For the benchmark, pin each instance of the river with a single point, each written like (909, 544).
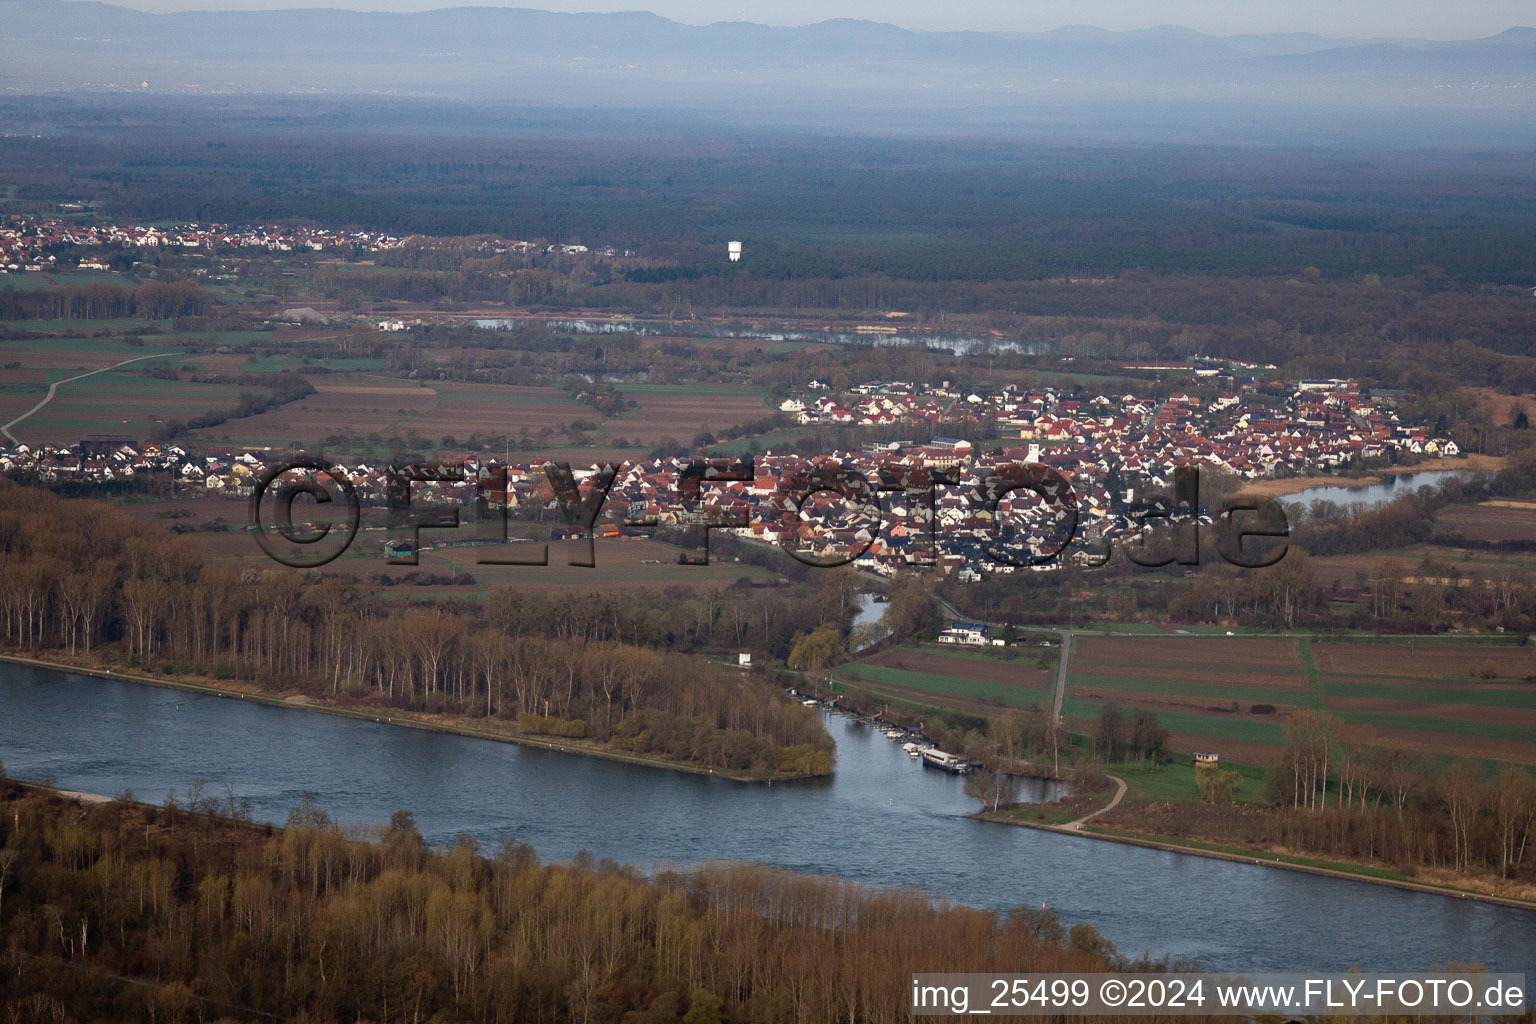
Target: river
(882, 819)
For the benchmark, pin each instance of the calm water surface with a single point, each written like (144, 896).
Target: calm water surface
(882, 820)
(1372, 494)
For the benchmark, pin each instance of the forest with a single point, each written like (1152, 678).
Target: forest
(84, 579)
(155, 300)
(172, 914)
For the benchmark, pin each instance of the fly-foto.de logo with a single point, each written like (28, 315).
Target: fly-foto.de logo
(824, 512)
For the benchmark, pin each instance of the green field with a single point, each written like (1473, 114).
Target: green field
(1174, 780)
(1419, 693)
(948, 686)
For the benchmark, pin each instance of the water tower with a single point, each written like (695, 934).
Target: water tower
(733, 250)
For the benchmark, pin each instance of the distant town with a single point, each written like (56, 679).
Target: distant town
(45, 244)
(1114, 448)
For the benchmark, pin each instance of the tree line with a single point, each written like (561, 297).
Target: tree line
(170, 914)
(156, 300)
(1345, 790)
(90, 581)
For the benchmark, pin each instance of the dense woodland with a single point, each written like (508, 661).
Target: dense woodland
(154, 300)
(126, 913)
(86, 579)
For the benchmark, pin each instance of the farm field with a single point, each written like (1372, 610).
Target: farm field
(1233, 695)
(682, 410)
(738, 345)
(622, 563)
(1349, 570)
(1437, 699)
(1494, 521)
(75, 354)
(969, 680)
(1203, 688)
(1425, 696)
(20, 390)
(51, 278)
(361, 404)
(118, 402)
(462, 409)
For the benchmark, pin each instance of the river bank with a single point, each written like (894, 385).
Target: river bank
(880, 820)
(1465, 887)
(453, 724)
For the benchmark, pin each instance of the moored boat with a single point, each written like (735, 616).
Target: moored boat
(933, 757)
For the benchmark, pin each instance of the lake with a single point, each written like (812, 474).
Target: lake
(1372, 494)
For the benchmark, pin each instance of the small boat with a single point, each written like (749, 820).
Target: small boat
(894, 734)
(912, 749)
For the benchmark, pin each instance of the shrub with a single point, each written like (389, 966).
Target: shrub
(551, 725)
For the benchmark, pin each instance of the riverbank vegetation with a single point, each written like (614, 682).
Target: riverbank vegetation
(1345, 792)
(1334, 786)
(88, 582)
(132, 913)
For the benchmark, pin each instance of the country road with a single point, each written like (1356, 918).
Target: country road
(1061, 671)
(54, 388)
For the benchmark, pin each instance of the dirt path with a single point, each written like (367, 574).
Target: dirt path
(1119, 794)
(54, 388)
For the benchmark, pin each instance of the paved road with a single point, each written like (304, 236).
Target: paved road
(54, 388)
(1061, 670)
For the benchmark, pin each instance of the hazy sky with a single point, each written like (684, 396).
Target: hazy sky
(1429, 19)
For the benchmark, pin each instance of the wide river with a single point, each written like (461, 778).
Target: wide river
(882, 820)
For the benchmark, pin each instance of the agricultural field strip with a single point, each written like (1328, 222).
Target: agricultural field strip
(1514, 731)
(962, 655)
(1224, 726)
(1308, 661)
(1472, 692)
(1227, 727)
(1294, 670)
(553, 398)
(1250, 694)
(953, 686)
(1423, 662)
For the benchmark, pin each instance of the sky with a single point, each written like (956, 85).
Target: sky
(1422, 19)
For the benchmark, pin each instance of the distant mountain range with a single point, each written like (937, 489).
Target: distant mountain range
(536, 58)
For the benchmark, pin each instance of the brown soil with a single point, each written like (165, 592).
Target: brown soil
(1189, 650)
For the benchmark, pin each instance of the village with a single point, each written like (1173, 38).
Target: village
(1115, 450)
(47, 244)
